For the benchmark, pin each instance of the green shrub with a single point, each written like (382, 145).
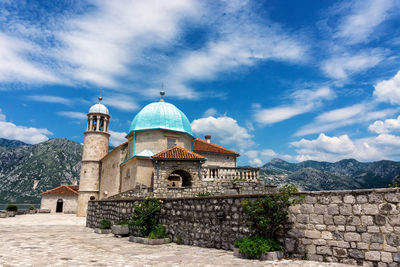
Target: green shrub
(32, 207)
(12, 207)
(105, 224)
(158, 232)
(204, 194)
(269, 215)
(144, 218)
(253, 247)
(122, 223)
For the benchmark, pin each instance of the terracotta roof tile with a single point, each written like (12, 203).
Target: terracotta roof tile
(177, 152)
(202, 145)
(66, 190)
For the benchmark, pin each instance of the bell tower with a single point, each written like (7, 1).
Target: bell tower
(95, 147)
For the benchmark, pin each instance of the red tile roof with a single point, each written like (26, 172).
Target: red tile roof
(66, 190)
(202, 145)
(177, 152)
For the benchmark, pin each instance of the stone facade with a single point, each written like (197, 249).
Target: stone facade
(355, 227)
(157, 140)
(49, 202)
(217, 159)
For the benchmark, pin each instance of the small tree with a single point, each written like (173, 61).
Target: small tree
(144, 218)
(269, 215)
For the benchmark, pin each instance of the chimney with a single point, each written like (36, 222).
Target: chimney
(208, 138)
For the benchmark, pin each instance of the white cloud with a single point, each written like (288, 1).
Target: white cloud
(325, 148)
(117, 138)
(210, 112)
(121, 102)
(360, 22)
(303, 101)
(73, 115)
(387, 126)
(102, 44)
(388, 90)
(341, 66)
(28, 135)
(50, 99)
(16, 63)
(224, 129)
(341, 117)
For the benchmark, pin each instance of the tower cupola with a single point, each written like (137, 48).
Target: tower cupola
(98, 117)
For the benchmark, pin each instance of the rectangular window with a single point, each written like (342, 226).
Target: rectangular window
(171, 142)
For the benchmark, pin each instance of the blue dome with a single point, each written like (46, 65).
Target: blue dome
(163, 116)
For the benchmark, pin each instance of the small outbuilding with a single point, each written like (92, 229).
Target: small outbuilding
(62, 199)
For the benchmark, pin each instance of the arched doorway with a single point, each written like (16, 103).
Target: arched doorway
(179, 178)
(60, 203)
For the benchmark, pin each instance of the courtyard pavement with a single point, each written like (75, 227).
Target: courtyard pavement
(63, 240)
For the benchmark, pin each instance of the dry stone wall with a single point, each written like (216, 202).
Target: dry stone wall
(355, 227)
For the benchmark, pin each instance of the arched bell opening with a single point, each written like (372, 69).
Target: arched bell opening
(179, 178)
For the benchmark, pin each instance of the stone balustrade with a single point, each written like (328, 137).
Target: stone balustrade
(230, 174)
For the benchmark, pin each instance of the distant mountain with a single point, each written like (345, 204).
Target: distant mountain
(11, 143)
(27, 171)
(344, 174)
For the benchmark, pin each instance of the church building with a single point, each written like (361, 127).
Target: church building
(161, 158)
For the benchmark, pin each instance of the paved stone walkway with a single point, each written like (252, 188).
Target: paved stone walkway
(62, 240)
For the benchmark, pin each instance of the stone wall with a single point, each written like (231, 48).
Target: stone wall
(355, 227)
(212, 187)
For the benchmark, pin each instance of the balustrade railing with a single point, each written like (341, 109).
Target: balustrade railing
(230, 173)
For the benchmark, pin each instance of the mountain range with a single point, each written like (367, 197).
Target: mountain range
(344, 174)
(28, 170)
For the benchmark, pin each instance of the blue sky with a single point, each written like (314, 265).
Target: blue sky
(296, 80)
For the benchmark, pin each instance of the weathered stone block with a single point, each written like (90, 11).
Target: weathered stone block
(357, 209)
(316, 219)
(362, 245)
(373, 229)
(333, 209)
(312, 234)
(326, 235)
(336, 199)
(320, 242)
(388, 208)
(350, 228)
(377, 238)
(346, 209)
(370, 209)
(352, 237)
(324, 250)
(361, 199)
(310, 200)
(373, 255)
(389, 248)
(320, 227)
(339, 220)
(328, 219)
(393, 240)
(375, 246)
(379, 220)
(339, 252)
(320, 209)
(392, 197)
(367, 220)
(394, 220)
(355, 253)
(337, 235)
(349, 199)
(307, 208)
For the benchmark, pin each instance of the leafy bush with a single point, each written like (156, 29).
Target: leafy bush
(204, 194)
(158, 232)
(144, 218)
(105, 224)
(269, 215)
(12, 207)
(253, 247)
(122, 223)
(32, 207)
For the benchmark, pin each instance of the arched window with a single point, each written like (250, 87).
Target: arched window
(179, 178)
(94, 124)
(101, 126)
